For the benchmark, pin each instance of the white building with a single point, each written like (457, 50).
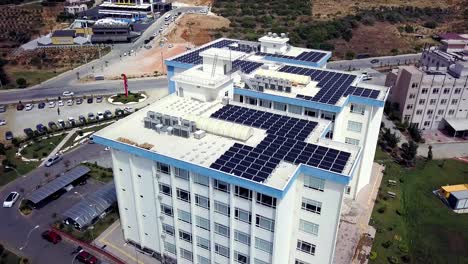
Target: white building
(248, 159)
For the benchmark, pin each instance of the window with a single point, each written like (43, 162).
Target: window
(279, 106)
(186, 254)
(295, 109)
(422, 101)
(165, 189)
(183, 195)
(202, 201)
(184, 216)
(169, 247)
(446, 90)
(424, 90)
(443, 101)
(242, 237)
(202, 222)
(412, 95)
(162, 167)
(407, 117)
(222, 250)
(358, 109)
(316, 183)
(241, 258)
(418, 112)
(200, 179)
(265, 103)
(427, 123)
(202, 260)
(252, 101)
(354, 126)
(414, 85)
(432, 102)
(243, 215)
(257, 261)
(430, 111)
(166, 209)
(168, 229)
(435, 91)
(185, 236)
(266, 200)
(440, 111)
(222, 208)
(451, 112)
(203, 243)
(221, 230)
(299, 262)
(181, 173)
(265, 223)
(221, 186)
(263, 245)
(306, 247)
(454, 101)
(308, 227)
(243, 193)
(351, 141)
(457, 91)
(310, 112)
(311, 205)
(409, 107)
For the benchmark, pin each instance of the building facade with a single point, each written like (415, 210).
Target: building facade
(237, 165)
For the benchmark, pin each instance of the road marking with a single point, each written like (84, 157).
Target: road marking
(121, 251)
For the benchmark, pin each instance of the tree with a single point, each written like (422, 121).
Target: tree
(430, 24)
(390, 138)
(21, 82)
(350, 55)
(429, 153)
(415, 133)
(409, 151)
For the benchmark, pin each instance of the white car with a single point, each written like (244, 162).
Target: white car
(100, 115)
(70, 102)
(60, 103)
(53, 160)
(71, 119)
(128, 109)
(68, 93)
(155, 34)
(125, 53)
(51, 104)
(170, 46)
(11, 199)
(29, 107)
(2, 122)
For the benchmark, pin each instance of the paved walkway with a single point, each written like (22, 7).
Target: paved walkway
(60, 145)
(389, 124)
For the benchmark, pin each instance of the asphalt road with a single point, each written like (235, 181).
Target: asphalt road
(366, 63)
(15, 228)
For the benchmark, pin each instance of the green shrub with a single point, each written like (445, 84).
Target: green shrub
(403, 248)
(387, 244)
(393, 260)
(373, 255)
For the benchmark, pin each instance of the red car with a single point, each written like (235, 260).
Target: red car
(87, 258)
(51, 236)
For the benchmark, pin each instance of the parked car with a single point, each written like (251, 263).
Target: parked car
(128, 109)
(61, 123)
(68, 93)
(8, 135)
(72, 120)
(91, 116)
(11, 199)
(29, 107)
(374, 61)
(87, 258)
(100, 116)
(29, 132)
(41, 128)
(82, 119)
(41, 105)
(60, 103)
(2, 122)
(51, 236)
(98, 99)
(55, 159)
(90, 100)
(107, 114)
(52, 125)
(70, 102)
(51, 104)
(20, 107)
(3, 108)
(79, 101)
(91, 139)
(119, 112)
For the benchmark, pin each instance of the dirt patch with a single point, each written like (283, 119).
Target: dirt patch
(196, 2)
(327, 9)
(196, 29)
(370, 40)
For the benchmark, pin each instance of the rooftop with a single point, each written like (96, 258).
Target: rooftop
(249, 143)
(64, 33)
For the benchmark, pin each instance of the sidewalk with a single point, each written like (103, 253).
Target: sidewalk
(389, 124)
(60, 145)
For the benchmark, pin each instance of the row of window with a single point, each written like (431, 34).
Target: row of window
(432, 102)
(444, 91)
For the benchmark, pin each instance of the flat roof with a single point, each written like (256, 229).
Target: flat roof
(458, 124)
(223, 54)
(57, 184)
(460, 194)
(299, 134)
(63, 33)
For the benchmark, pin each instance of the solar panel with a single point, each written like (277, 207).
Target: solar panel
(285, 141)
(194, 56)
(246, 66)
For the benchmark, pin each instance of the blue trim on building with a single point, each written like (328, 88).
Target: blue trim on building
(177, 64)
(170, 83)
(219, 175)
(364, 101)
(326, 130)
(296, 62)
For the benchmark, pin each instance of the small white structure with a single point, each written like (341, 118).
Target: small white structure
(274, 43)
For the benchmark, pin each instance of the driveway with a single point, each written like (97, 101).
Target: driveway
(15, 229)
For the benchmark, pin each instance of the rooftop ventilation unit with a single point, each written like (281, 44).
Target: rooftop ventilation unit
(147, 122)
(166, 120)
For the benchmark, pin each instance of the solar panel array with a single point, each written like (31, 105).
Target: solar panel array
(285, 141)
(246, 66)
(243, 48)
(194, 56)
(310, 56)
(333, 85)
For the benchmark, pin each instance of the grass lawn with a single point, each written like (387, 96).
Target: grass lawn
(416, 224)
(21, 166)
(99, 173)
(42, 148)
(72, 139)
(132, 97)
(32, 77)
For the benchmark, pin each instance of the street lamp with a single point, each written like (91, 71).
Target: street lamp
(27, 238)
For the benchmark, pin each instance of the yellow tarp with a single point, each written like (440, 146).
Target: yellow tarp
(446, 190)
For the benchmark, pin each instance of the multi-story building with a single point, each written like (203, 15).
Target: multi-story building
(434, 94)
(249, 157)
(133, 9)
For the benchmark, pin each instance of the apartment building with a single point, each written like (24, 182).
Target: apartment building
(434, 94)
(249, 157)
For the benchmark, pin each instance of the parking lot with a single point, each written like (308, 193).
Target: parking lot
(17, 121)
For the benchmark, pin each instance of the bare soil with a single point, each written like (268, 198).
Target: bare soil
(196, 2)
(196, 29)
